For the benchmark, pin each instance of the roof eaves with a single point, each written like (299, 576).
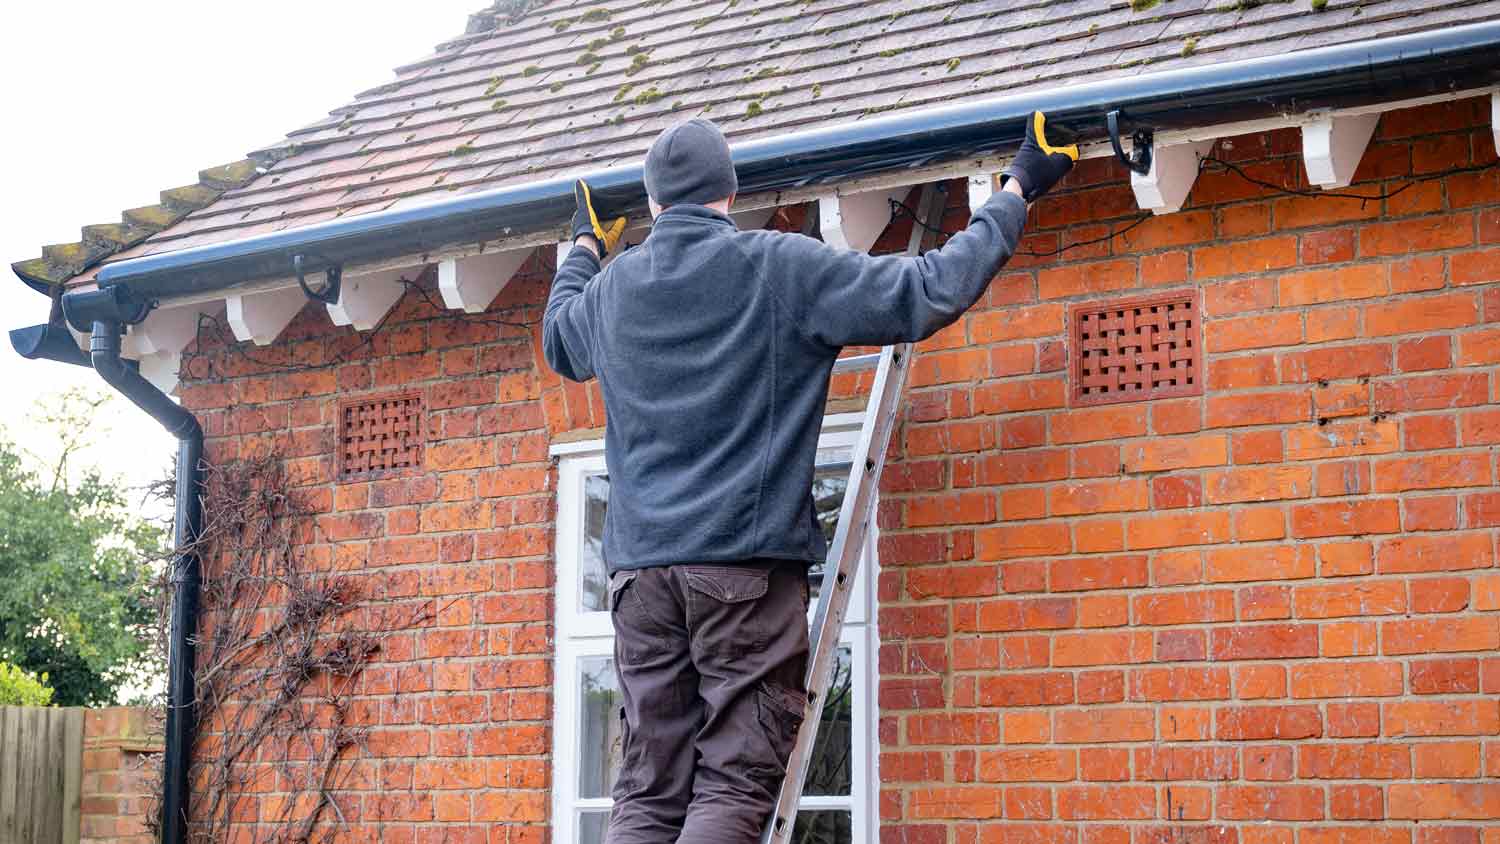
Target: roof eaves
(1359, 69)
(59, 263)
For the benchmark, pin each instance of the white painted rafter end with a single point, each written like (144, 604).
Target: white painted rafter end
(1165, 187)
(260, 317)
(471, 284)
(982, 186)
(1495, 118)
(161, 369)
(365, 299)
(167, 330)
(855, 221)
(1333, 146)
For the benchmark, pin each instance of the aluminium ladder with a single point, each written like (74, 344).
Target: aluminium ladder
(856, 514)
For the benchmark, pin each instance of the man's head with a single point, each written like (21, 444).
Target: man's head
(689, 165)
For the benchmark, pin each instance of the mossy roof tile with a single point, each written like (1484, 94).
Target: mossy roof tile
(803, 62)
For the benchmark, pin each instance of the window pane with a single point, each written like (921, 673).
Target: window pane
(831, 771)
(593, 575)
(601, 742)
(592, 826)
(828, 826)
(829, 483)
(828, 487)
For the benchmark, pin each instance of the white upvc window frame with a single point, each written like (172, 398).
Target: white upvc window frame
(581, 635)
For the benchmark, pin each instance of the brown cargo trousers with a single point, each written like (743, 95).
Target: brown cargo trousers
(712, 662)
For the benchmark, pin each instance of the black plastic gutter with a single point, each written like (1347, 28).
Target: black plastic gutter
(1432, 62)
(186, 575)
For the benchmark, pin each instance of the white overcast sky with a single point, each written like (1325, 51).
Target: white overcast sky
(105, 104)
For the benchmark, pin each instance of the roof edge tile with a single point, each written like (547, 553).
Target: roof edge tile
(61, 262)
(232, 175)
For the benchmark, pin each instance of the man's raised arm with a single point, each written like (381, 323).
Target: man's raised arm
(567, 325)
(844, 298)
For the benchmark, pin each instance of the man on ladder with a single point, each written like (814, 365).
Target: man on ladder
(714, 348)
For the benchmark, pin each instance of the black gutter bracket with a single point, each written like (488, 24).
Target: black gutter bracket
(332, 286)
(1138, 160)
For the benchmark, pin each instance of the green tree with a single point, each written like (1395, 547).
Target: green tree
(77, 569)
(19, 688)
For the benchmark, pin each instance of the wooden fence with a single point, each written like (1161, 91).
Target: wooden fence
(41, 774)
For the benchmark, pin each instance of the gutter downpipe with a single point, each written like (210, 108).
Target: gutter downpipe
(187, 575)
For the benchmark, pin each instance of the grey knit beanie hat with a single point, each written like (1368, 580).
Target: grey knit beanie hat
(689, 164)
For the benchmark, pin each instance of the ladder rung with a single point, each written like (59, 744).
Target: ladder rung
(857, 363)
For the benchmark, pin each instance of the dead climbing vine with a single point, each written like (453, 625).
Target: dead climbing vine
(281, 648)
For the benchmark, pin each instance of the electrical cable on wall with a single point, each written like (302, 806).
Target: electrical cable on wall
(901, 209)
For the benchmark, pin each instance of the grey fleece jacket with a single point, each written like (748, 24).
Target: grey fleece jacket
(714, 348)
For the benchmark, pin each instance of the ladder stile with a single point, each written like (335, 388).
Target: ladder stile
(856, 516)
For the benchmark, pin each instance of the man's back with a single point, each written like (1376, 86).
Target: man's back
(714, 349)
(713, 400)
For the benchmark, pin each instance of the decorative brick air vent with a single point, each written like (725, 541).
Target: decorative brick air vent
(1136, 349)
(380, 436)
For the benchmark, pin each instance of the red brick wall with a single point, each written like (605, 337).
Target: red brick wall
(458, 707)
(1266, 614)
(120, 775)
(1263, 614)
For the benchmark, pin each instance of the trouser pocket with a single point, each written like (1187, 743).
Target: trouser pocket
(727, 609)
(779, 715)
(636, 605)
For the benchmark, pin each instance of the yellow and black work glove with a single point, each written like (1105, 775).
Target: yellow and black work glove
(1039, 165)
(586, 220)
